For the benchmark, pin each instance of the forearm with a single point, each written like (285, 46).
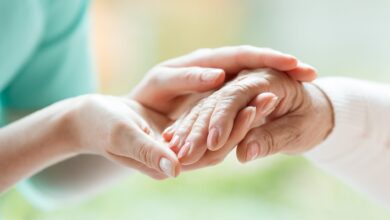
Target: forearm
(357, 149)
(69, 180)
(32, 144)
(72, 180)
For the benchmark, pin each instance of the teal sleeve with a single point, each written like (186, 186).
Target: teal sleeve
(61, 65)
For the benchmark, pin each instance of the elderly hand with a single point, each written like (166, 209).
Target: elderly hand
(277, 100)
(175, 85)
(172, 87)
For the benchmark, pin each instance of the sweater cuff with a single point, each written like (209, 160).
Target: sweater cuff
(349, 108)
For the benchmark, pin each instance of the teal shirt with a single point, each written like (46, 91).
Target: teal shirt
(44, 53)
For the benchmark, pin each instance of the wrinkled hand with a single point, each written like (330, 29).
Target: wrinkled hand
(222, 120)
(174, 86)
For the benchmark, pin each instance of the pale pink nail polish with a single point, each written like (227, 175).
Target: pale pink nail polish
(184, 150)
(213, 138)
(253, 151)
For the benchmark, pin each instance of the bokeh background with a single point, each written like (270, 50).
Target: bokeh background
(338, 37)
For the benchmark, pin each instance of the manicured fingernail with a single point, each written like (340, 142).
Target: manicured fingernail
(167, 167)
(210, 75)
(270, 106)
(213, 138)
(252, 151)
(184, 150)
(175, 141)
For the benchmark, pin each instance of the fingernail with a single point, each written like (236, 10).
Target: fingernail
(175, 141)
(252, 116)
(168, 131)
(252, 151)
(213, 138)
(167, 167)
(210, 76)
(184, 150)
(270, 106)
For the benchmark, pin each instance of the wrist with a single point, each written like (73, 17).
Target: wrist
(319, 115)
(323, 108)
(64, 124)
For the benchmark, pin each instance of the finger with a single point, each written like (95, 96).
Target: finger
(269, 139)
(303, 73)
(253, 115)
(184, 80)
(183, 127)
(143, 148)
(233, 99)
(195, 143)
(243, 122)
(263, 107)
(168, 133)
(248, 118)
(138, 166)
(236, 58)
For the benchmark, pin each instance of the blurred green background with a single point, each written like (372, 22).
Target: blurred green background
(338, 37)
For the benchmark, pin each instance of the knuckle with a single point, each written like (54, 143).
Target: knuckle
(197, 131)
(235, 93)
(238, 89)
(194, 74)
(144, 154)
(268, 145)
(184, 128)
(220, 113)
(187, 77)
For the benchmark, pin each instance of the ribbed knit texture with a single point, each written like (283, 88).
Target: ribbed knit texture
(358, 148)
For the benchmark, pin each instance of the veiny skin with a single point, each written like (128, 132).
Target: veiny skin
(301, 118)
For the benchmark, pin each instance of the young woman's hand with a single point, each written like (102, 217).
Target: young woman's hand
(116, 128)
(176, 85)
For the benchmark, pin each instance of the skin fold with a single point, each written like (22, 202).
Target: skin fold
(287, 117)
(127, 130)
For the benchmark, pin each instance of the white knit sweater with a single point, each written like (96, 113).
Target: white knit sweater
(358, 149)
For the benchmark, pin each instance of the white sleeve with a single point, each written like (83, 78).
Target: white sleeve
(358, 149)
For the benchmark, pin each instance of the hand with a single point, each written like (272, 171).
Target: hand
(307, 121)
(114, 128)
(236, 95)
(173, 86)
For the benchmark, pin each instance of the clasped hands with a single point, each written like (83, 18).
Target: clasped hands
(191, 111)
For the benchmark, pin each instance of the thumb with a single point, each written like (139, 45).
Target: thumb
(184, 80)
(271, 138)
(154, 154)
